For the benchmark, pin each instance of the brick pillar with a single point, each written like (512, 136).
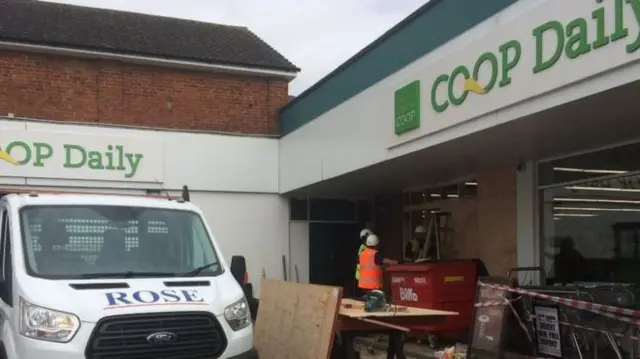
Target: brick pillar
(497, 226)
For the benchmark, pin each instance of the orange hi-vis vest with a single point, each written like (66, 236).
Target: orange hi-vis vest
(370, 272)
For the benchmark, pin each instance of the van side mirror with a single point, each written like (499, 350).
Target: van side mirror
(239, 269)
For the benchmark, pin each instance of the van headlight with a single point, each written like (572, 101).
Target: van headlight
(238, 314)
(47, 324)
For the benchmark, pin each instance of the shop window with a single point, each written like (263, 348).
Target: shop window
(451, 191)
(469, 189)
(335, 210)
(298, 209)
(612, 162)
(416, 198)
(591, 228)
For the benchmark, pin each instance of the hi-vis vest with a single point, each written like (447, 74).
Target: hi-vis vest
(362, 248)
(370, 272)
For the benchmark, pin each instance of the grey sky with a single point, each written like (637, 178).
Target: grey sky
(316, 35)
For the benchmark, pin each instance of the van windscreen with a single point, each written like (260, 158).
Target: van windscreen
(95, 241)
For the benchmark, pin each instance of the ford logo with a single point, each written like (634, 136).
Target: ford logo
(162, 338)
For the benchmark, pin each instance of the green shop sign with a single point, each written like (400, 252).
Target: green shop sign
(407, 108)
(570, 39)
(73, 156)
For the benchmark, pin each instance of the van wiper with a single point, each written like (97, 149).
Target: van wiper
(128, 274)
(197, 271)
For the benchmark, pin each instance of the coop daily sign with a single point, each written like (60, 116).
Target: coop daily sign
(583, 27)
(80, 156)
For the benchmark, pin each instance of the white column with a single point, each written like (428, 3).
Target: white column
(528, 250)
(299, 251)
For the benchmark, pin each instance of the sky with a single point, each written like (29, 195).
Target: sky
(316, 35)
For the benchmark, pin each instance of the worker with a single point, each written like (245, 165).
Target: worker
(415, 245)
(371, 265)
(363, 239)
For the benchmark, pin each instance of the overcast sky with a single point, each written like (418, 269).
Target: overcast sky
(316, 35)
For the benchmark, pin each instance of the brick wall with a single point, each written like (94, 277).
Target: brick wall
(110, 92)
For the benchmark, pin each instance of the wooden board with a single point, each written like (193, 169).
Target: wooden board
(355, 309)
(296, 321)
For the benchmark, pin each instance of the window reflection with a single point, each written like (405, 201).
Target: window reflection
(591, 229)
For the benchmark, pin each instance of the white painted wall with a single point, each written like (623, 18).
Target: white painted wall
(253, 225)
(299, 247)
(528, 248)
(204, 162)
(360, 132)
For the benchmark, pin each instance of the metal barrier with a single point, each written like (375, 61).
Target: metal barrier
(595, 320)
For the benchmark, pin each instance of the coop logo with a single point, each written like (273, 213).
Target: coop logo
(408, 295)
(6, 157)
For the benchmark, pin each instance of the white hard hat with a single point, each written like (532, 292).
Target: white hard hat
(420, 229)
(365, 232)
(372, 240)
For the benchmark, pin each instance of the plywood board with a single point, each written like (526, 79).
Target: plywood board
(355, 309)
(296, 321)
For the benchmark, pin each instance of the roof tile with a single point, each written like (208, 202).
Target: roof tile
(128, 33)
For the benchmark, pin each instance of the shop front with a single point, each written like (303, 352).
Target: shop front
(503, 142)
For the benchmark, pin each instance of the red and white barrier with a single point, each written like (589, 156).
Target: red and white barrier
(622, 314)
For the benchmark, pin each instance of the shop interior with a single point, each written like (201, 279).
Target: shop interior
(440, 222)
(590, 216)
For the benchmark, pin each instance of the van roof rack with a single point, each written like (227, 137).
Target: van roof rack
(36, 192)
(186, 197)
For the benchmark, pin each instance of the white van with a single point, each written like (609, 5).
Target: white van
(115, 277)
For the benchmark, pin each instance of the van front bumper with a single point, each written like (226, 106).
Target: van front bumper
(239, 345)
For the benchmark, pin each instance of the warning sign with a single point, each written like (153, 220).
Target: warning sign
(548, 330)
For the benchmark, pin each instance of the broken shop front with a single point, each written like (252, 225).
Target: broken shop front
(507, 144)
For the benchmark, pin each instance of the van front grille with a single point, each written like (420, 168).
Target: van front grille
(193, 335)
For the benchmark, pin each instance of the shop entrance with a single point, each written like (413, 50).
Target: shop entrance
(332, 253)
(333, 227)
